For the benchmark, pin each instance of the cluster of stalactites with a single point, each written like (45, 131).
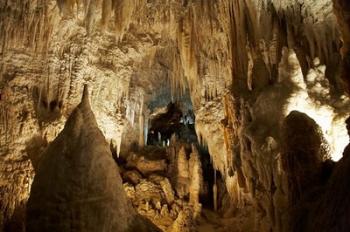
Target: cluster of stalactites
(113, 14)
(201, 35)
(24, 24)
(265, 28)
(177, 81)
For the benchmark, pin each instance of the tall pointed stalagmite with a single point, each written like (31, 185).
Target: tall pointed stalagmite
(77, 186)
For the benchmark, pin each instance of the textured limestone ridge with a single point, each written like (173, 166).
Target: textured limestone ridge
(333, 209)
(318, 190)
(77, 186)
(302, 162)
(182, 173)
(302, 156)
(196, 180)
(342, 9)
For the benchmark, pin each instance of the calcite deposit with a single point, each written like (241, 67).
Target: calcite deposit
(77, 185)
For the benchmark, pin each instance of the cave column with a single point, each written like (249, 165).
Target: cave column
(196, 180)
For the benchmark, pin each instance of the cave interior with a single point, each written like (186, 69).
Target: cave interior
(174, 116)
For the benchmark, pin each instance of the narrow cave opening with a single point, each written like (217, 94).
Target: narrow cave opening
(207, 195)
(170, 121)
(174, 120)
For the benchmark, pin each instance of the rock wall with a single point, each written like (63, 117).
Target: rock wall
(167, 195)
(317, 187)
(341, 10)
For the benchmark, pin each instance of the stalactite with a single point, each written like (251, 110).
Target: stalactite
(178, 83)
(91, 16)
(215, 192)
(141, 128)
(118, 144)
(141, 124)
(145, 130)
(25, 25)
(106, 11)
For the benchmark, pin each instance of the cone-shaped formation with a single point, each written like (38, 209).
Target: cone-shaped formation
(318, 190)
(333, 211)
(77, 186)
(302, 155)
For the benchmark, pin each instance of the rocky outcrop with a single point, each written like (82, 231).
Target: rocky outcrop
(302, 156)
(145, 165)
(77, 185)
(342, 10)
(332, 211)
(318, 188)
(169, 199)
(132, 176)
(302, 160)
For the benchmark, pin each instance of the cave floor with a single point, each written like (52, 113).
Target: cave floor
(211, 221)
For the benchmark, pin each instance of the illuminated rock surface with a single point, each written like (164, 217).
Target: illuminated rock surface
(77, 186)
(236, 69)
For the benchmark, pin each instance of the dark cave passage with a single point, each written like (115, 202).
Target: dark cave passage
(182, 125)
(172, 122)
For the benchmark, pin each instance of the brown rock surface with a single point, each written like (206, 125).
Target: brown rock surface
(144, 165)
(132, 176)
(342, 11)
(302, 157)
(77, 186)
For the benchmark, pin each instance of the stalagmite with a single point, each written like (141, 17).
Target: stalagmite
(182, 173)
(195, 180)
(87, 193)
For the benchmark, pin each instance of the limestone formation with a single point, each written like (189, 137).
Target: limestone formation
(184, 222)
(313, 182)
(183, 175)
(77, 185)
(196, 180)
(144, 165)
(330, 204)
(222, 74)
(167, 190)
(154, 195)
(133, 177)
(342, 9)
(302, 156)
